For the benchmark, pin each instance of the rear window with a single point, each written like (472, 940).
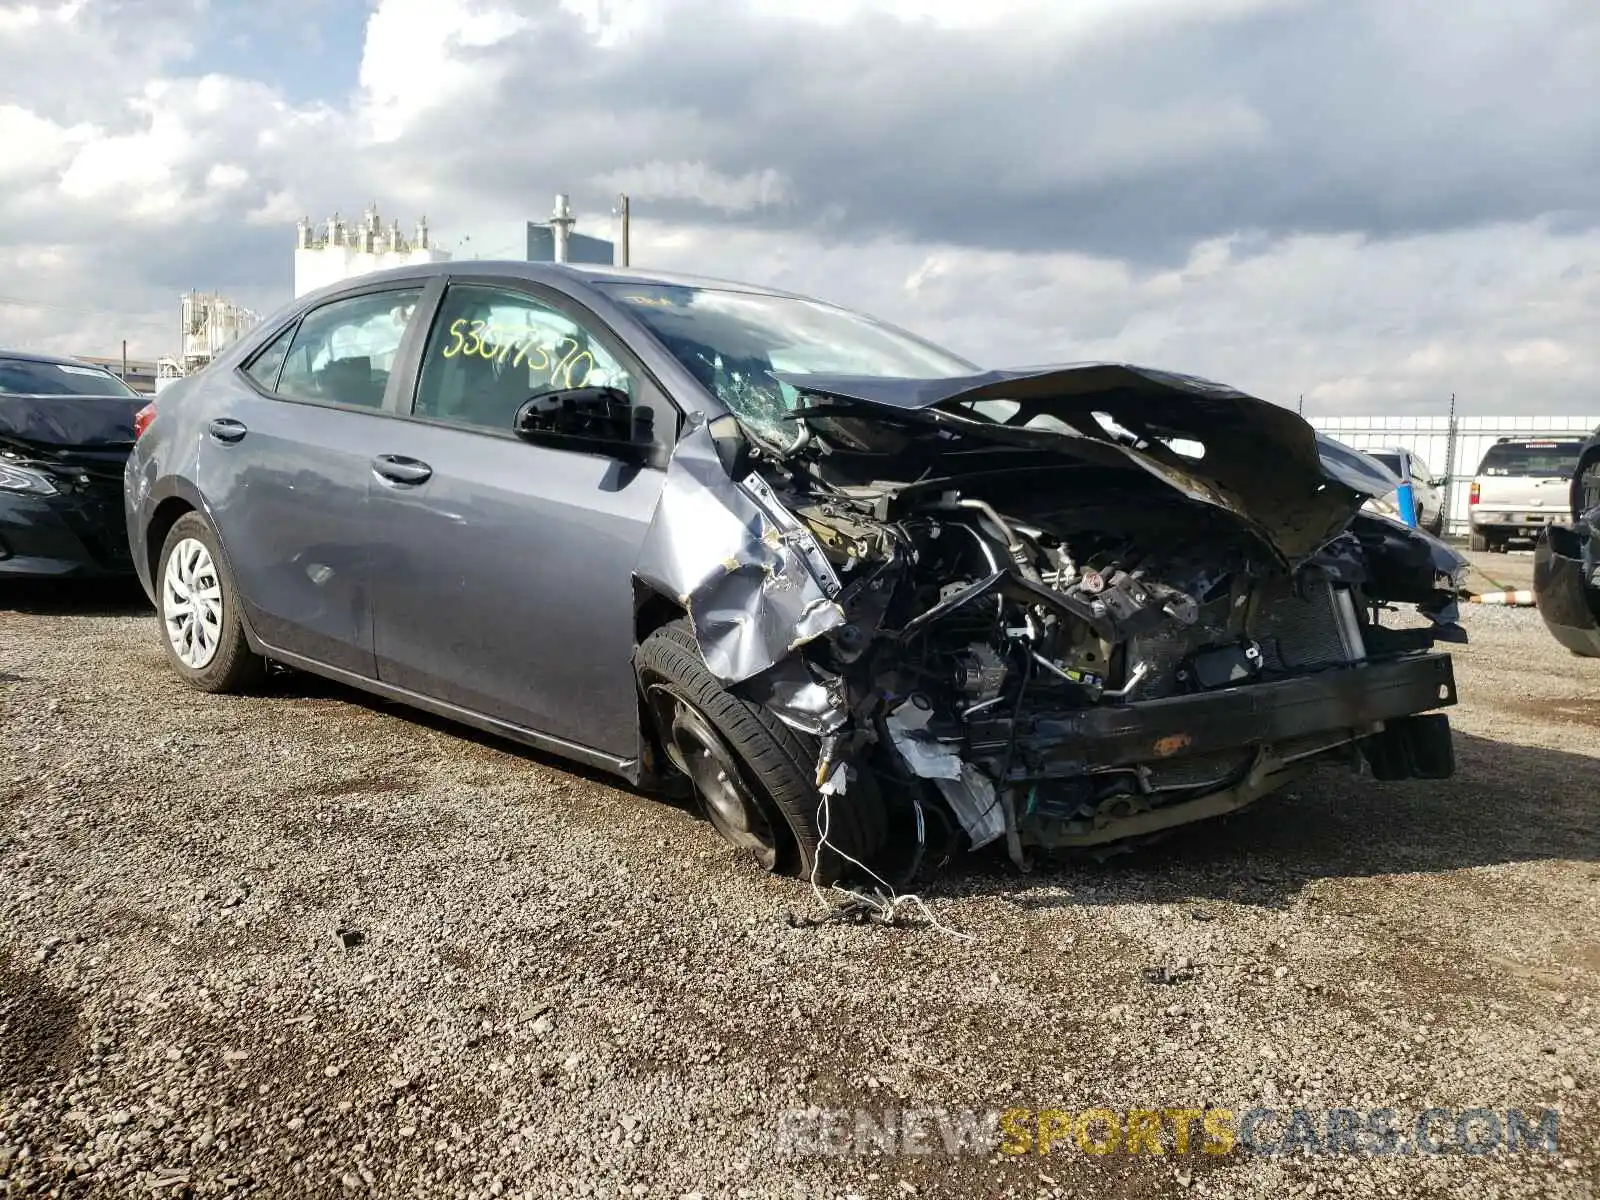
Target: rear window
(1392, 461)
(1541, 460)
(21, 376)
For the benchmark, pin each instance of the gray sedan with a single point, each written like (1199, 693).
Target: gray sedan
(873, 605)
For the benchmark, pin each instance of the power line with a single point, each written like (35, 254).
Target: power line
(124, 317)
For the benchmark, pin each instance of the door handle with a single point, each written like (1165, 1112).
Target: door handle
(226, 429)
(397, 468)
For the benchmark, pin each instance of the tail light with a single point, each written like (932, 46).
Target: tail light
(1472, 496)
(142, 419)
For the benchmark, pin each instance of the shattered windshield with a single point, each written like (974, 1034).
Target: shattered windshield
(25, 377)
(735, 342)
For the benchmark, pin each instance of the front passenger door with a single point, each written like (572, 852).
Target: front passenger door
(508, 582)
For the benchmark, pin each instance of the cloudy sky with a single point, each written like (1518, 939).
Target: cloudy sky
(1370, 203)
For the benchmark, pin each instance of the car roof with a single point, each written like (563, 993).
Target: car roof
(1559, 439)
(583, 274)
(54, 360)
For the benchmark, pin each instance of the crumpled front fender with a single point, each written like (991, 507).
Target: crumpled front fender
(753, 580)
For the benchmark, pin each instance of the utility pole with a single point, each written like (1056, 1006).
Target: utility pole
(1451, 436)
(622, 240)
(1301, 408)
(124, 360)
(561, 223)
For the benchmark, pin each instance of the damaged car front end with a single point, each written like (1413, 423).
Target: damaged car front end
(62, 455)
(1061, 608)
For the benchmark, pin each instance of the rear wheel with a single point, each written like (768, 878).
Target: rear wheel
(754, 776)
(199, 611)
(1478, 542)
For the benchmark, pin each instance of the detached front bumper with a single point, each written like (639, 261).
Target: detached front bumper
(1118, 774)
(1352, 699)
(1566, 587)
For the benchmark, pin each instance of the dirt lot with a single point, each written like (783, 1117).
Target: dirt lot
(305, 943)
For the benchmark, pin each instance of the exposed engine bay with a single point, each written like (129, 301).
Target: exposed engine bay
(1072, 636)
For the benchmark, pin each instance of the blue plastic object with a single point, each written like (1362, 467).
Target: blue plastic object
(1408, 501)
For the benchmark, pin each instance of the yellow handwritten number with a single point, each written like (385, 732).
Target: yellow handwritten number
(455, 332)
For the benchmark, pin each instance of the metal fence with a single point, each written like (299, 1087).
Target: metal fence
(1451, 446)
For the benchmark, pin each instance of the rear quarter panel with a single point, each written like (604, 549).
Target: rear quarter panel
(162, 467)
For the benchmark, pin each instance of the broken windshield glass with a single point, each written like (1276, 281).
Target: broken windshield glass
(735, 343)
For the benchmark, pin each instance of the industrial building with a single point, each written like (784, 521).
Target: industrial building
(552, 240)
(138, 373)
(343, 251)
(338, 250)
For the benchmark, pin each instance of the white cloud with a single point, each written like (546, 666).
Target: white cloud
(1022, 180)
(697, 182)
(412, 61)
(1353, 325)
(1083, 16)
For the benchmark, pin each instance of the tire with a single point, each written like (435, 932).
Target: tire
(776, 767)
(216, 657)
(1436, 526)
(1477, 542)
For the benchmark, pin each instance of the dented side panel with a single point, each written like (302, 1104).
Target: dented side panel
(743, 570)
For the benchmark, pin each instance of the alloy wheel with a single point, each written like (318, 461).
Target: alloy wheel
(191, 603)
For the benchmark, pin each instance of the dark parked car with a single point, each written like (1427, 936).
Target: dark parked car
(873, 603)
(65, 431)
(1566, 562)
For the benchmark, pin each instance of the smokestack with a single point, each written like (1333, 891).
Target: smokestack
(561, 223)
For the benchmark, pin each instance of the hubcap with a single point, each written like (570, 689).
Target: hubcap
(191, 603)
(696, 749)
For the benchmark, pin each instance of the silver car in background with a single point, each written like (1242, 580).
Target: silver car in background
(872, 604)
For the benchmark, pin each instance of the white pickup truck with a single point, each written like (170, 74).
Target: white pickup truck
(1522, 485)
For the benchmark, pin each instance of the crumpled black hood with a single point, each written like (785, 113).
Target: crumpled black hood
(1261, 462)
(100, 422)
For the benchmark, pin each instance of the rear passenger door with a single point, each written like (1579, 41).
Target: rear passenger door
(285, 461)
(507, 581)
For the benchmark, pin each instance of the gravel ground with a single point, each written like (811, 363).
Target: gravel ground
(307, 943)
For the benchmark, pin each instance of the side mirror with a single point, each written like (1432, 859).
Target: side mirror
(588, 420)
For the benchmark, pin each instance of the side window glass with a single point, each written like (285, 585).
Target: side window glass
(267, 363)
(491, 349)
(342, 353)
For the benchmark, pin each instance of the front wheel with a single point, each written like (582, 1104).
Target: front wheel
(754, 776)
(199, 610)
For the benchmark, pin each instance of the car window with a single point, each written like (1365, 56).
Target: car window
(1548, 460)
(1392, 461)
(491, 349)
(342, 353)
(265, 366)
(26, 377)
(1419, 469)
